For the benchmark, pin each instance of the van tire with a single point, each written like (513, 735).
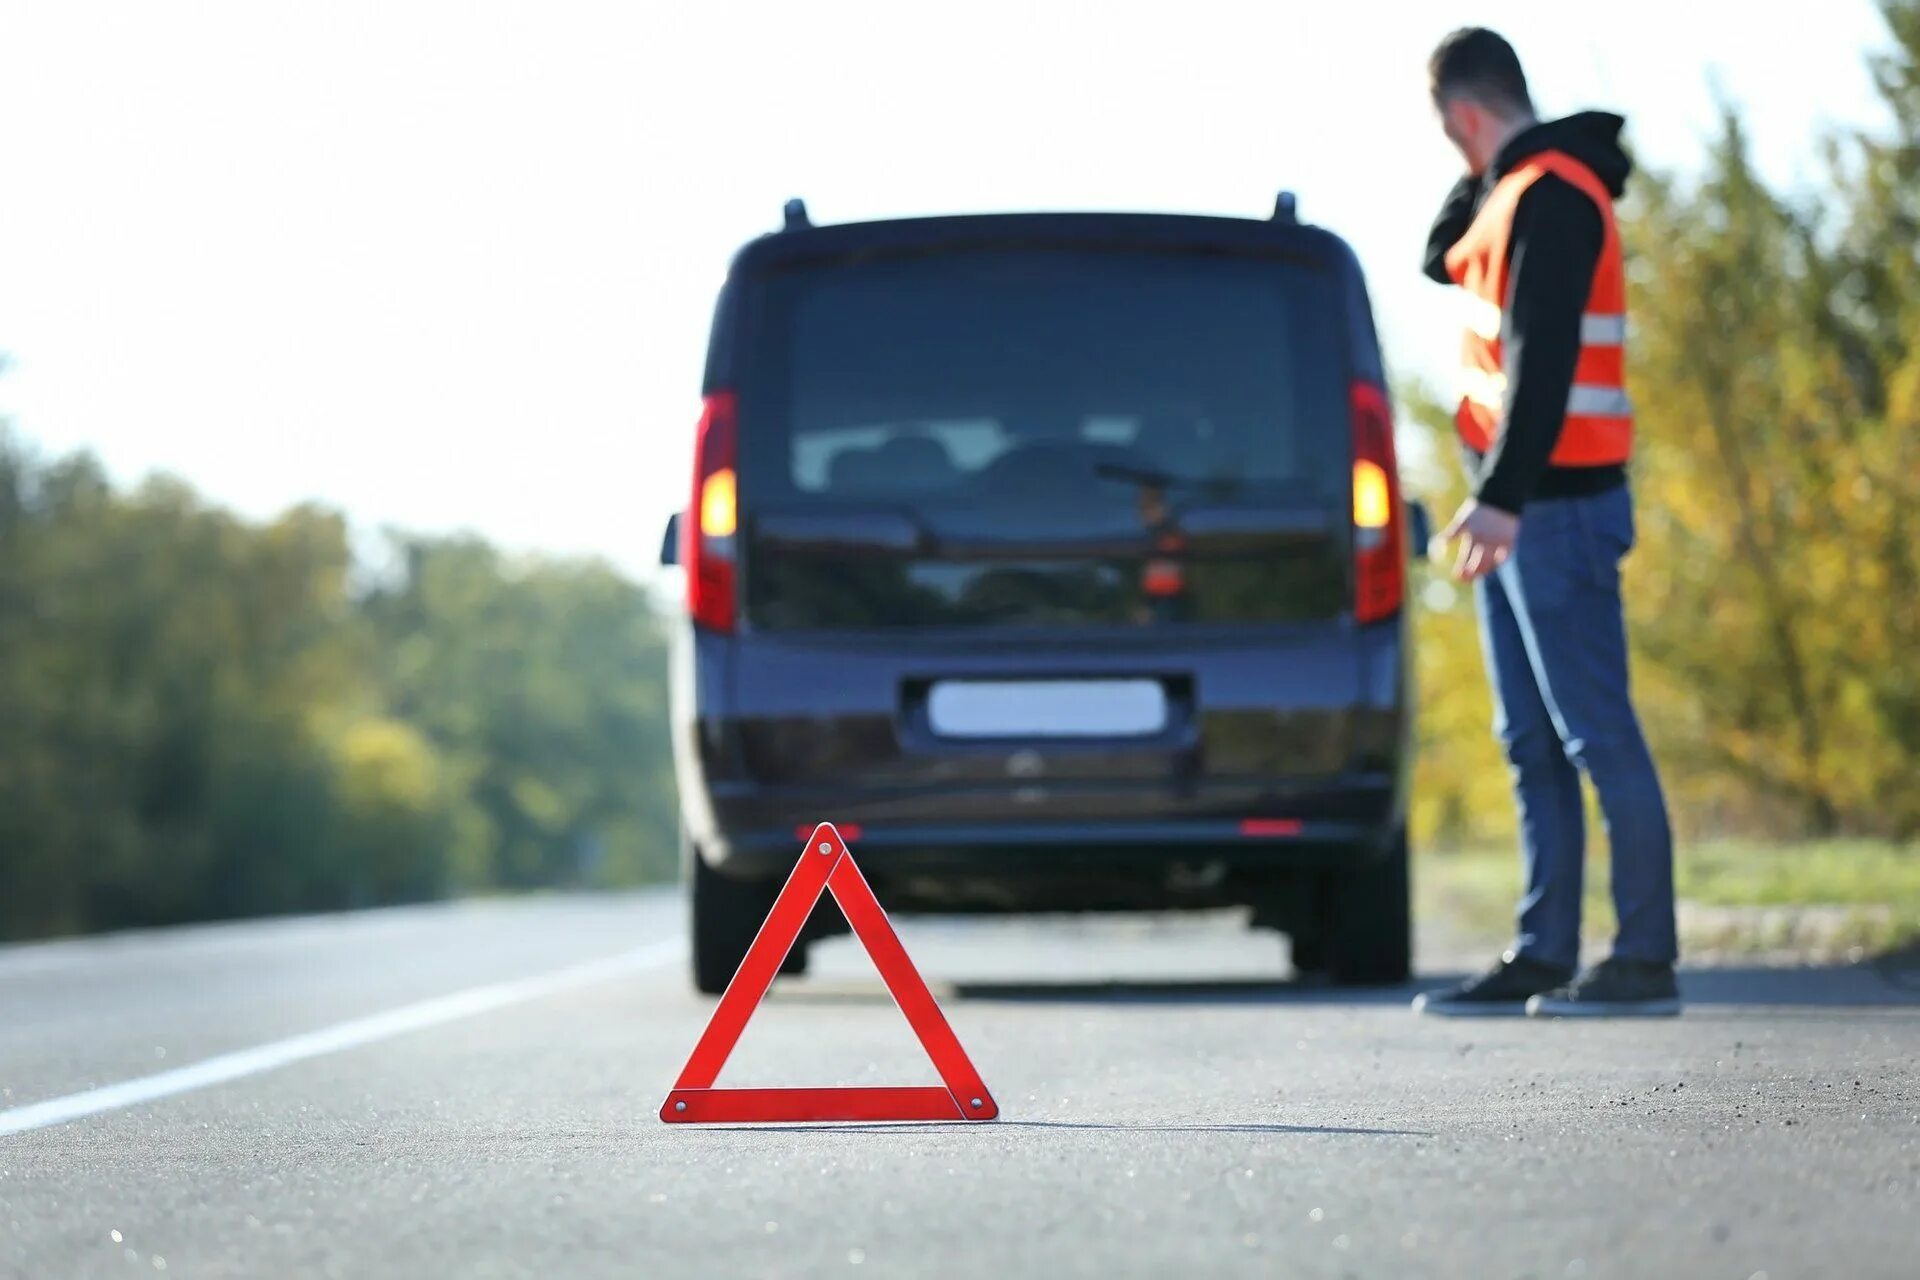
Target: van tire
(1369, 920)
(725, 917)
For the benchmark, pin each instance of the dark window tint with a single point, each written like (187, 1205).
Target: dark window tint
(1044, 437)
(941, 377)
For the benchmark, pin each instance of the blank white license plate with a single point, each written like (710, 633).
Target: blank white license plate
(1047, 708)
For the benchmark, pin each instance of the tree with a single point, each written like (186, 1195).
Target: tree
(201, 717)
(543, 687)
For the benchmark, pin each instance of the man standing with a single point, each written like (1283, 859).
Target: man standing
(1529, 237)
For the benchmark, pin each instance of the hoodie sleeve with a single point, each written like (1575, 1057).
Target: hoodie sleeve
(1555, 245)
(1455, 216)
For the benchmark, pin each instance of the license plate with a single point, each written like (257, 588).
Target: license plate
(1047, 708)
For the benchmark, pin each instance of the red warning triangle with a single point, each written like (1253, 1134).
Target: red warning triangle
(826, 866)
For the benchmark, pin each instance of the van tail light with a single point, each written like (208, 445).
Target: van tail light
(1379, 521)
(710, 545)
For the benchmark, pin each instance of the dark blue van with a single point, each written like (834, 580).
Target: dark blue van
(1061, 560)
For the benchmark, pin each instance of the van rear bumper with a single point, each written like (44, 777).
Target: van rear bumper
(757, 833)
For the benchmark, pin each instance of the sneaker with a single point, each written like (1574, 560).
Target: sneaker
(1500, 992)
(1613, 989)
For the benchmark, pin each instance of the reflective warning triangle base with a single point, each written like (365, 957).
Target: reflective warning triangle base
(826, 866)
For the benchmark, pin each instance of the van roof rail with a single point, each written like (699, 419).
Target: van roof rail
(796, 215)
(1286, 208)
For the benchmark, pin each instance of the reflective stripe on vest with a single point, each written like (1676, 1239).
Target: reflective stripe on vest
(1597, 329)
(1488, 389)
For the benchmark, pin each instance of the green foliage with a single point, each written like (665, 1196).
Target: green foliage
(543, 694)
(1777, 347)
(1774, 598)
(201, 717)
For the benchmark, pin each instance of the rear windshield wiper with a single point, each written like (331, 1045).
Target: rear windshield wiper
(1153, 477)
(1138, 475)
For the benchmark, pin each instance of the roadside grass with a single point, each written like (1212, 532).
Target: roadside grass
(1820, 901)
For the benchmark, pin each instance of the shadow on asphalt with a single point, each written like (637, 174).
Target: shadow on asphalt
(1120, 991)
(1829, 987)
(1891, 983)
(1883, 984)
(1189, 991)
(1300, 1129)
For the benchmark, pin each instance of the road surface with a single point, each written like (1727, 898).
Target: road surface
(471, 1090)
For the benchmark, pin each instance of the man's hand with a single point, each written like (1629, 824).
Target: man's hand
(1487, 534)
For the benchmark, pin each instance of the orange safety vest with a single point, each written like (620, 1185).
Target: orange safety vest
(1599, 425)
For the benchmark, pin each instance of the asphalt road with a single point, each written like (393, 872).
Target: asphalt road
(480, 1101)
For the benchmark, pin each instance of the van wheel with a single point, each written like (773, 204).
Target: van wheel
(1369, 921)
(726, 917)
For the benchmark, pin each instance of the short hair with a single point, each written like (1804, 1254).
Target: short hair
(1476, 63)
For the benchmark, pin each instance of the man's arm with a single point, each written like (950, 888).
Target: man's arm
(1456, 215)
(1556, 242)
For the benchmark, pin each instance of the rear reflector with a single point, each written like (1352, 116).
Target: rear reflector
(1268, 828)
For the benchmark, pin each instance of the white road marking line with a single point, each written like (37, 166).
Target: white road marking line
(338, 1038)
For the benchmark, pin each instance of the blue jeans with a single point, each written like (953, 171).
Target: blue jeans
(1556, 649)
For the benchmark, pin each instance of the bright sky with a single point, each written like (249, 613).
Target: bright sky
(451, 264)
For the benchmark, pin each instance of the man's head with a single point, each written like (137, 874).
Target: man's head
(1480, 93)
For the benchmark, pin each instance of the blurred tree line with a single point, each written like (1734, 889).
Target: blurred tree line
(204, 717)
(1774, 597)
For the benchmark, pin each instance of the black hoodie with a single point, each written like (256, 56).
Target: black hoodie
(1556, 242)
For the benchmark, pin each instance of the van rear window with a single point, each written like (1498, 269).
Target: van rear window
(966, 378)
